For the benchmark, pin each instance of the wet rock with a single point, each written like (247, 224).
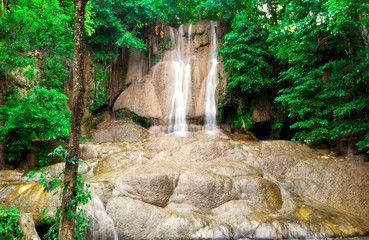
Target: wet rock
(134, 219)
(260, 190)
(244, 216)
(150, 186)
(178, 188)
(151, 96)
(118, 131)
(202, 151)
(91, 150)
(30, 198)
(204, 190)
(191, 226)
(312, 222)
(101, 226)
(230, 168)
(12, 175)
(343, 183)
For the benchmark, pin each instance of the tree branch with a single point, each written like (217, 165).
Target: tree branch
(14, 27)
(321, 42)
(5, 6)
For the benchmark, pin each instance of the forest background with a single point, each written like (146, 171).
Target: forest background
(309, 58)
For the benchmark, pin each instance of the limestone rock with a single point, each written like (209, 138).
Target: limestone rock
(91, 150)
(134, 219)
(118, 131)
(114, 161)
(205, 190)
(180, 188)
(151, 97)
(191, 226)
(343, 182)
(204, 151)
(149, 186)
(137, 66)
(322, 222)
(230, 168)
(12, 175)
(275, 157)
(243, 215)
(260, 190)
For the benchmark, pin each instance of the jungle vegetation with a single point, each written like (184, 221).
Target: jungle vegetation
(311, 56)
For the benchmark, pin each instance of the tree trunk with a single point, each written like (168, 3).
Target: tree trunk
(2, 144)
(66, 228)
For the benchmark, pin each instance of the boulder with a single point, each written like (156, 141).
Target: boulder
(191, 226)
(341, 183)
(242, 215)
(118, 131)
(134, 219)
(203, 189)
(260, 190)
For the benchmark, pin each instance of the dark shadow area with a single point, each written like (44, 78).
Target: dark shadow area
(286, 132)
(42, 230)
(261, 130)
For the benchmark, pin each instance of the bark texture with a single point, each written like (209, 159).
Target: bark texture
(66, 228)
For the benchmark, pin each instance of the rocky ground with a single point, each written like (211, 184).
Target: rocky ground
(170, 188)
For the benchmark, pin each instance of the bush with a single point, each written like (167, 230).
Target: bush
(41, 114)
(9, 225)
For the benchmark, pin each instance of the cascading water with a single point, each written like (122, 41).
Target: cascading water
(211, 85)
(102, 226)
(182, 73)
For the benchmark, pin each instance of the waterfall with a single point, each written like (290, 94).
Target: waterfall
(182, 76)
(211, 85)
(102, 226)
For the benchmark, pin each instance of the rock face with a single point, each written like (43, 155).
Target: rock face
(118, 131)
(188, 188)
(150, 95)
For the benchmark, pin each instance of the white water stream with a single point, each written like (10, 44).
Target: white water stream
(182, 74)
(211, 85)
(181, 65)
(101, 226)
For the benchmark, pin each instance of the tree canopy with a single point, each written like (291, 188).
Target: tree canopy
(311, 57)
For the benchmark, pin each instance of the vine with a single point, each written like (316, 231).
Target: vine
(99, 93)
(83, 195)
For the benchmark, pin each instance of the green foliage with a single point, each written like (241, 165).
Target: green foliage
(9, 225)
(120, 22)
(99, 93)
(322, 69)
(143, 122)
(56, 185)
(245, 53)
(247, 61)
(37, 33)
(120, 114)
(42, 158)
(222, 9)
(162, 46)
(242, 121)
(83, 139)
(327, 74)
(41, 114)
(181, 11)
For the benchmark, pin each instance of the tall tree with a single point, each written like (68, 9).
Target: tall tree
(67, 222)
